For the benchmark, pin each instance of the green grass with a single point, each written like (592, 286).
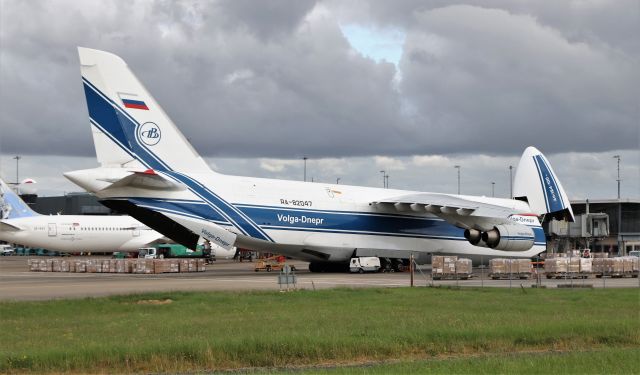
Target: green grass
(606, 361)
(222, 330)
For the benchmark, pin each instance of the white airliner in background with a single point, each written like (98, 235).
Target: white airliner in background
(69, 233)
(150, 171)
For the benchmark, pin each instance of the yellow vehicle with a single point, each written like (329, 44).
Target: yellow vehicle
(271, 264)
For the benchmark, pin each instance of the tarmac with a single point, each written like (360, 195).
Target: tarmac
(18, 283)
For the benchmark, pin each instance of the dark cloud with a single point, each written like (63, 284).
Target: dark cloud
(278, 79)
(484, 79)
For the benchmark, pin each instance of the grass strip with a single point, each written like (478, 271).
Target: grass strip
(225, 330)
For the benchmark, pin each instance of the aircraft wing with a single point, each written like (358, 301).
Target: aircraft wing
(7, 227)
(463, 213)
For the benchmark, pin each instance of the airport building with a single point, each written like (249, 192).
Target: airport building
(624, 223)
(69, 204)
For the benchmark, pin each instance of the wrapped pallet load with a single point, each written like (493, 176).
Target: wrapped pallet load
(55, 265)
(80, 266)
(44, 266)
(201, 266)
(573, 265)
(498, 267)
(463, 268)
(627, 265)
(586, 265)
(33, 264)
(65, 266)
(450, 267)
(556, 267)
(92, 266)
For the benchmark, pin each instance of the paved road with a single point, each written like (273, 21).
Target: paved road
(17, 283)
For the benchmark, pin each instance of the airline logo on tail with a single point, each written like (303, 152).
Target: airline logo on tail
(149, 133)
(11, 206)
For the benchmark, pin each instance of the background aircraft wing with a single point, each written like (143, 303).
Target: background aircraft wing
(463, 213)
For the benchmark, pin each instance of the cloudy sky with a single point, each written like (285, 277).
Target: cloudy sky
(409, 87)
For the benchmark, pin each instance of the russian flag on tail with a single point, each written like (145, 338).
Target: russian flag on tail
(132, 101)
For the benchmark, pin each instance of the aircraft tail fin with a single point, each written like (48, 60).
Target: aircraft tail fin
(11, 205)
(129, 126)
(537, 183)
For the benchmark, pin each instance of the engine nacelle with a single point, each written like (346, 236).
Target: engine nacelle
(510, 237)
(474, 236)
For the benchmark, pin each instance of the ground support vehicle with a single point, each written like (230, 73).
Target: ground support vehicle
(364, 264)
(6, 250)
(172, 251)
(275, 263)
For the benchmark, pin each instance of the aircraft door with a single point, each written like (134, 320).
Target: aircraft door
(53, 231)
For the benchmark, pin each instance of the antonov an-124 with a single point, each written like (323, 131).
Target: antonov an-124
(149, 170)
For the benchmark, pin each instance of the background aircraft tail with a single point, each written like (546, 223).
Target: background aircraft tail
(536, 183)
(129, 128)
(11, 205)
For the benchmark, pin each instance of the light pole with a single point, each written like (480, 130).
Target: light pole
(620, 250)
(511, 181)
(618, 157)
(493, 189)
(458, 168)
(384, 178)
(305, 168)
(17, 169)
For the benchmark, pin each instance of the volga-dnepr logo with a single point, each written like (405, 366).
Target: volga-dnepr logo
(149, 133)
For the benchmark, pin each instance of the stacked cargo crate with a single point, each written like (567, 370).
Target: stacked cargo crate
(502, 268)
(141, 266)
(616, 267)
(450, 267)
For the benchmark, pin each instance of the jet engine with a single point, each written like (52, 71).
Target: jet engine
(511, 237)
(473, 236)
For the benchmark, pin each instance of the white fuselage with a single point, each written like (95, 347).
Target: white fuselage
(312, 221)
(76, 233)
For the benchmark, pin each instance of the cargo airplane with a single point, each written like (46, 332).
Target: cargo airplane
(19, 224)
(149, 170)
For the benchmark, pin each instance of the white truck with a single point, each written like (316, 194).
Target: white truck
(364, 264)
(6, 250)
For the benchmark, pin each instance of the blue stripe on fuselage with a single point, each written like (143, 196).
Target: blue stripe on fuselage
(328, 221)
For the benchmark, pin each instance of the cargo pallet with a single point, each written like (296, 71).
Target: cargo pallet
(566, 275)
(451, 276)
(512, 276)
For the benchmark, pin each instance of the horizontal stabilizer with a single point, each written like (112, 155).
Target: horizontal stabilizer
(147, 180)
(6, 227)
